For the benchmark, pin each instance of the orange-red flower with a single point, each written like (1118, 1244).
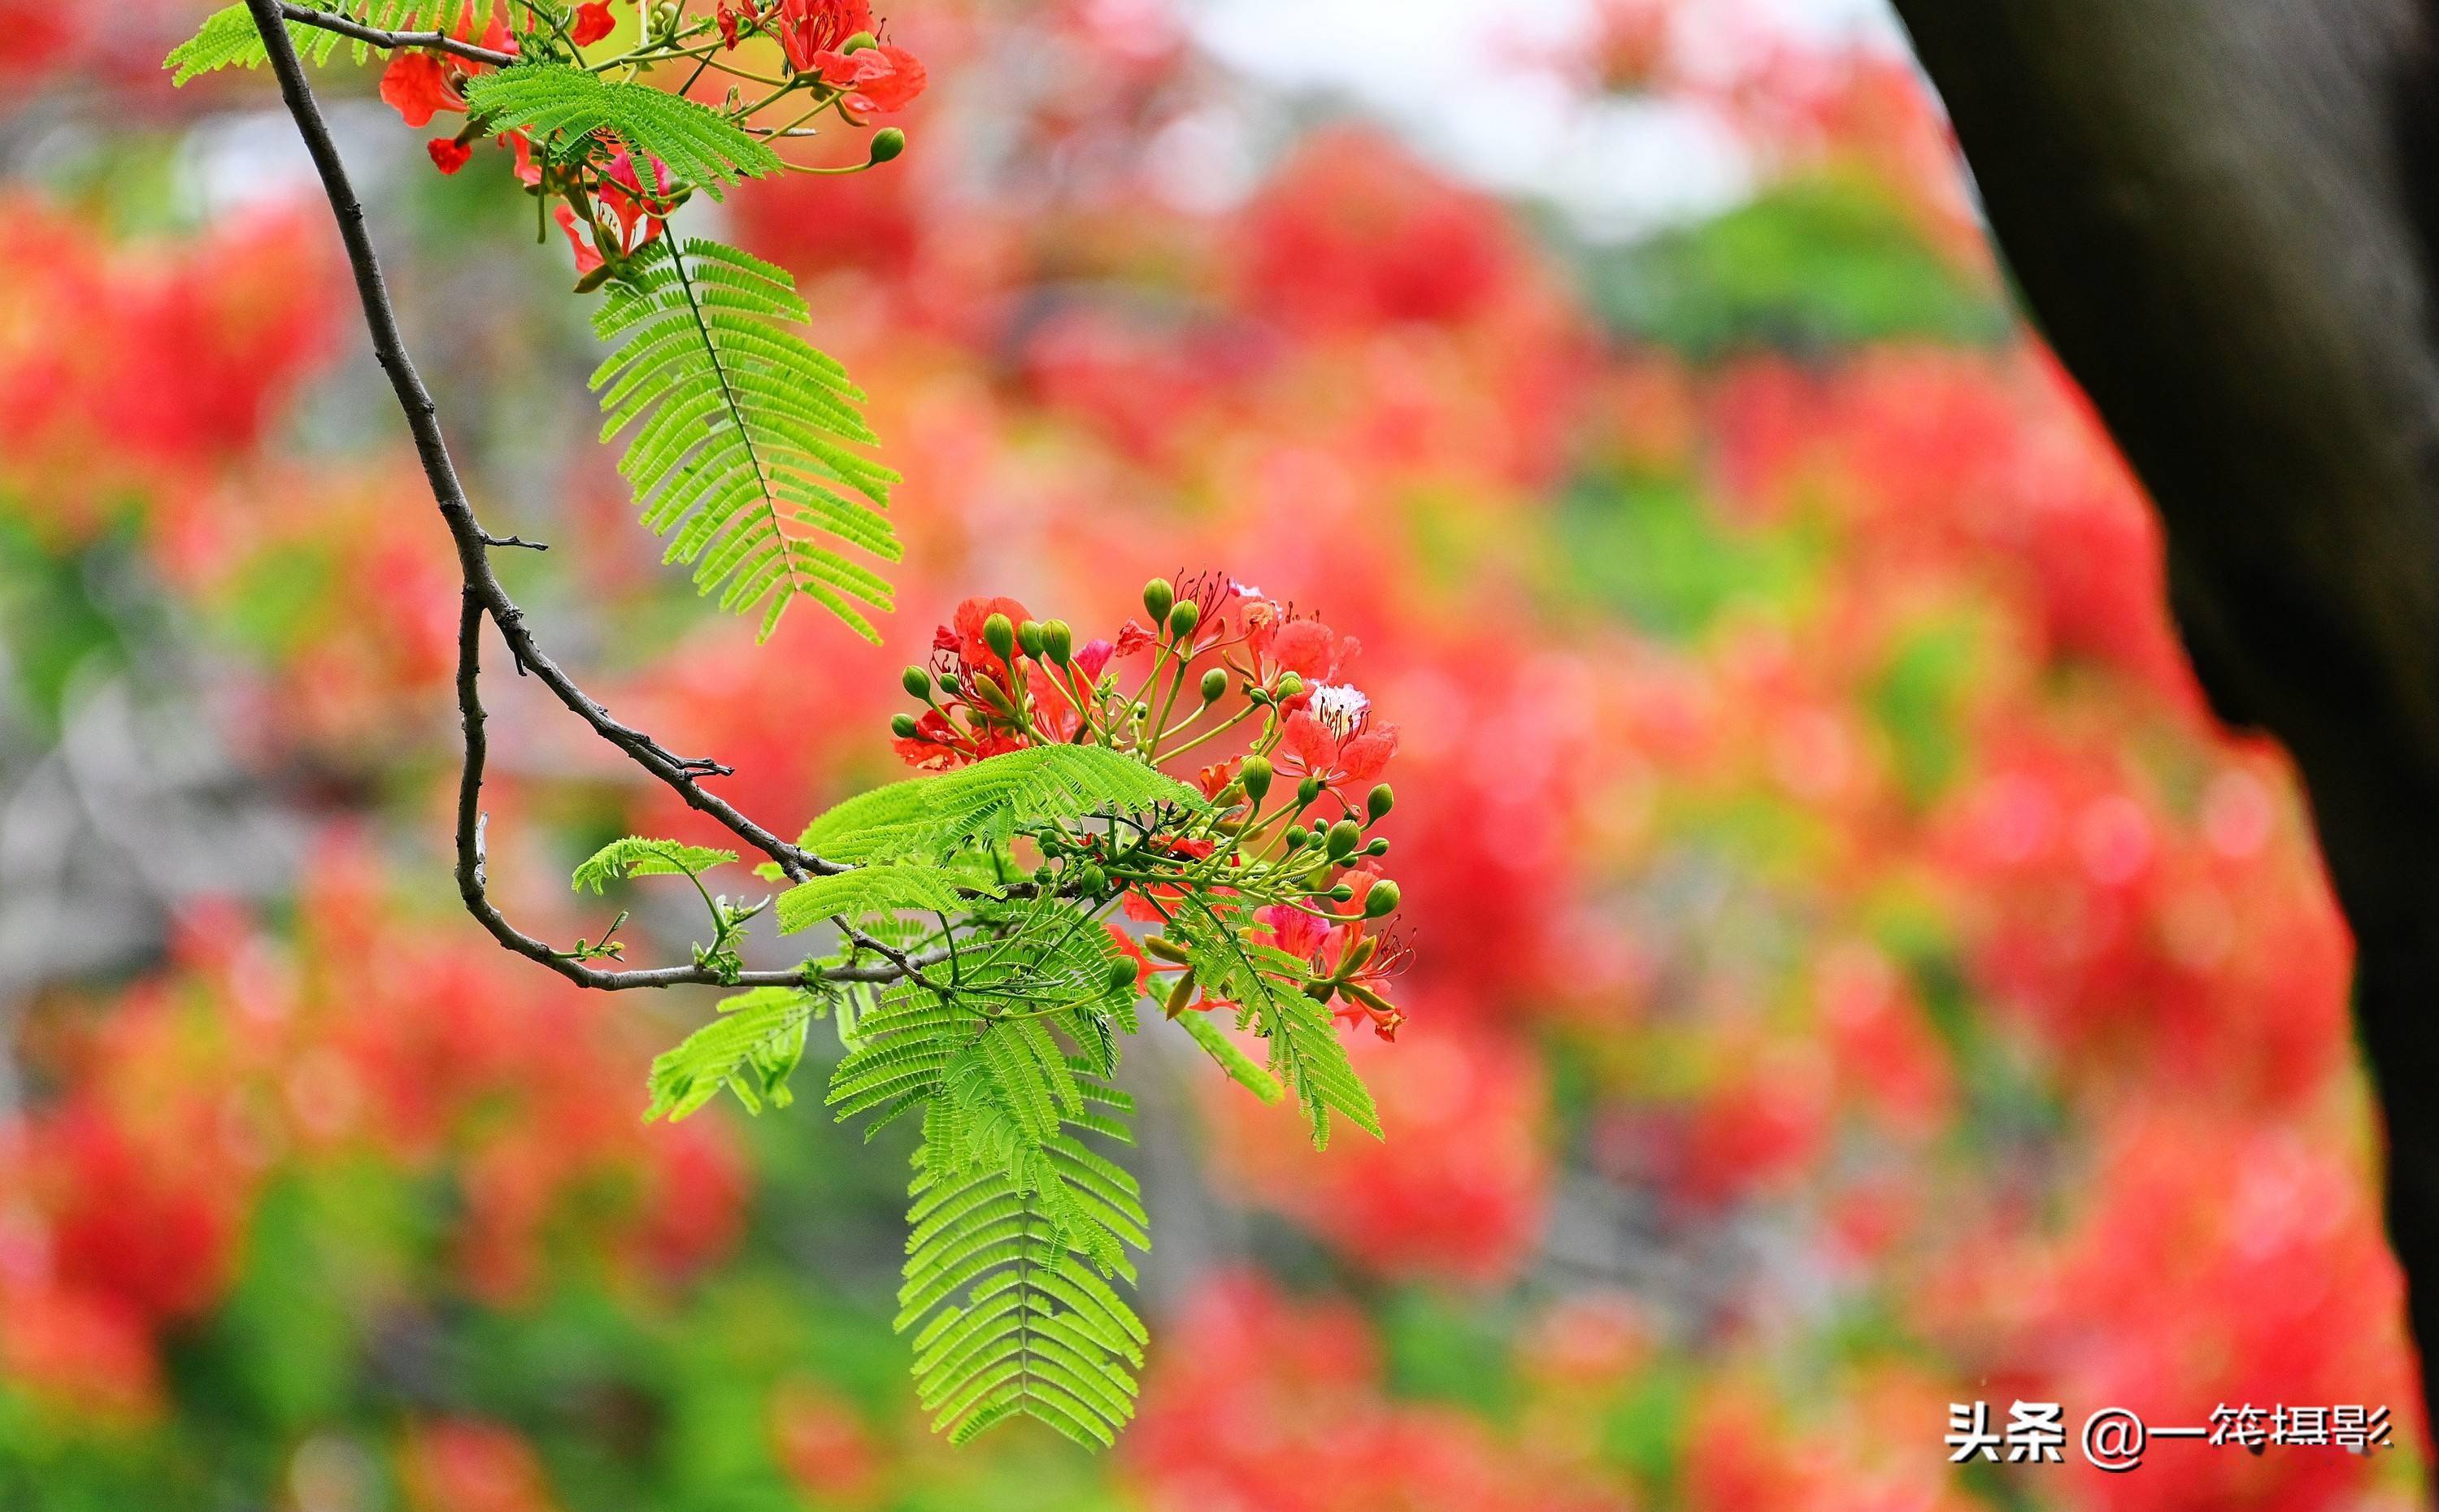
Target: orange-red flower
(877, 80)
(593, 23)
(808, 28)
(1333, 738)
(418, 86)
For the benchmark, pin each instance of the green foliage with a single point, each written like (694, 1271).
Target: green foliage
(228, 39)
(1240, 1066)
(638, 856)
(751, 1048)
(581, 109)
(928, 819)
(741, 431)
(1828, 260)
(866, 890)
(1266, 984)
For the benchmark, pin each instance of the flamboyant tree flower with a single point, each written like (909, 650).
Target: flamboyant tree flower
(592, 23)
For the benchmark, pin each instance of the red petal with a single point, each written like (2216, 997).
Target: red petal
(593, 23)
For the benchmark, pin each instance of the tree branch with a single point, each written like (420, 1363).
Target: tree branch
(484, 597)
(328, 21)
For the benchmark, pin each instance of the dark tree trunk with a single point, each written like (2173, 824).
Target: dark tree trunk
(2222, 216)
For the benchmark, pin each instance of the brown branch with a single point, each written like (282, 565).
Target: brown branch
(484, 597)
(345, 26)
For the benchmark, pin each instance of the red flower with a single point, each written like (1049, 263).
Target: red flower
(448, 154)
(593, 23)
(810, 28)
(588, 256)
(963, 634)
(418, 84)
(877, 80)
(726, 19)
(1307, 647)
(1333, 738)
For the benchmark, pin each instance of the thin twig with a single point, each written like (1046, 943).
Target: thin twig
(328, 21)
(449, 492)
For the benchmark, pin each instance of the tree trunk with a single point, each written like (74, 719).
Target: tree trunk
(2222, 215)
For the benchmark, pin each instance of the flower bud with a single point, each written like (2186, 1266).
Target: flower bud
(1182, 618)
(1344, 837)
(1380, 803)
(903, 726)
(1308, 790)
(1296, 836)
(888, 144)
(1166, 948)
(1058, 641)
(1380, 846)
(1030, 636)
(986, 688)
(859, 42)
(949, 685)
(1158, 595)
(1091, 880)
(1343, 892)
(1289, 686)
(918, 683)
(999, 635)
(1122, 975)
(1043, 875)
(1215, 682)
(1382, 900)
(1180, 995)
(1255, 775)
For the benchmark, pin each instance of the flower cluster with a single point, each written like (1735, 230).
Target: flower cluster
(608, 204)
(1246, 699)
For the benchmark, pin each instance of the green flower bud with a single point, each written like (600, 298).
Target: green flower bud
(1307, 790)
(1058, 641)
(1296, 836)
(1379, 802)
(999, 635)
(1092, 879)
(1256, 775)
(888, 144)
(857, 42)
(1122, 975)
(986, 688)
(1343, 893)
(949, 685)
(1043, 875)
(1182, 618)
(1289, 686)
(1382, 900)
(1158, 595)
(1379, 847)
(1028, 635)
(903, 726)
(1344, 837)
(1215, 682)
(918, 683)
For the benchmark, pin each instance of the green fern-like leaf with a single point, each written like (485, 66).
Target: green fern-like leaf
(866, 890)
(744, 436)
(229, 40)
(1008, 1275)
(700, 146)
(1306, 1053)
(1240, 1066)
(751, 1048)
(928, 819)
(638, 856)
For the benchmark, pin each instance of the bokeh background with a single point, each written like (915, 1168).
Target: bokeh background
(1854, 972)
